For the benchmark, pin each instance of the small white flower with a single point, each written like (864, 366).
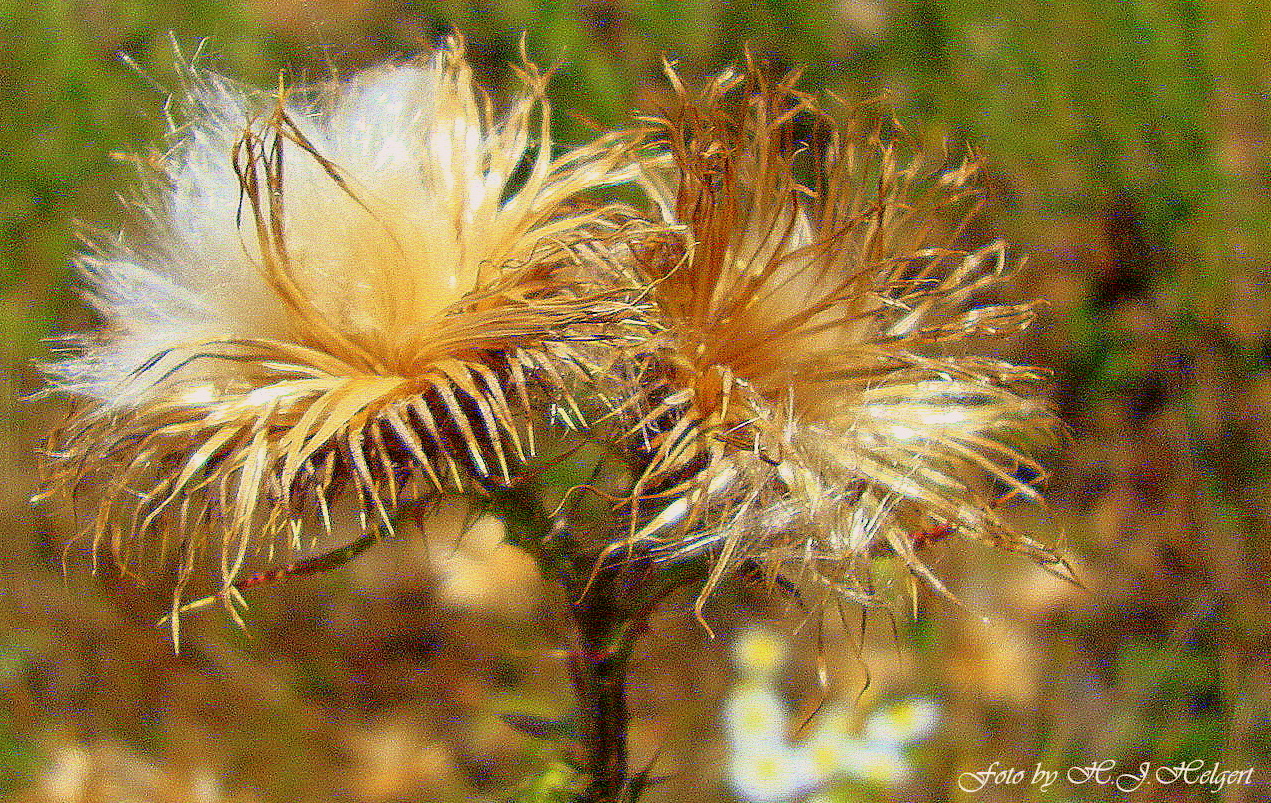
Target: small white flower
(774, 774)
(755, 715)
(903, 723)
(874, 763)
(759, 653)
(828, 746)
(766, 766)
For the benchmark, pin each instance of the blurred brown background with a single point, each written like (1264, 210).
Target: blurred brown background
(1127, 145)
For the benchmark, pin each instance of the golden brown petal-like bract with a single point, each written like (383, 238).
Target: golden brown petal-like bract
(817, 399)
(350, 287)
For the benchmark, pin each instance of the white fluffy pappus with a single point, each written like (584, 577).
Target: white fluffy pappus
(355, 285)
(820, 398)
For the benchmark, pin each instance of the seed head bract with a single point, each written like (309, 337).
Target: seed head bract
(817, 397)
(376, 287)
(352, 288)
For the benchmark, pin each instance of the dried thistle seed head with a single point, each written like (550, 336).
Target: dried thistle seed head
(819, 395)
(350, 287)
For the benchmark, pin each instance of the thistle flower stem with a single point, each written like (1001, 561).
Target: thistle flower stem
(607, 612)
(598, 668)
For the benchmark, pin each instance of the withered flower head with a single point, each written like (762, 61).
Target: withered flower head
(351, 286)
(819, 400)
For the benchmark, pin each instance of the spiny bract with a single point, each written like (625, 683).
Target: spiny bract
(353, 285)
(816, 399)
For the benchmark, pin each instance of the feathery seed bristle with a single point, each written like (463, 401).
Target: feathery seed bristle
(821, 397)
(352, 287)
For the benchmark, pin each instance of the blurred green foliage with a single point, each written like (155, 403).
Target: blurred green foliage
(1127, 150)
(69, 102)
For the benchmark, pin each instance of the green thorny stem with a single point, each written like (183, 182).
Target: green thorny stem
(608, 610)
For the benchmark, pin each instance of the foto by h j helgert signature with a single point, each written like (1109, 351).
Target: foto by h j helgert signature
(1210, 775)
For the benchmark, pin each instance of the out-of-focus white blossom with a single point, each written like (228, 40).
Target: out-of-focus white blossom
(902, 723)
(774, 772)
(755, 715)
(766, 766)
(759, 653)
